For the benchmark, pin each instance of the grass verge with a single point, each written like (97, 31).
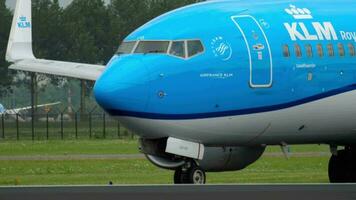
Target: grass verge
(68, 147)
(139, 171)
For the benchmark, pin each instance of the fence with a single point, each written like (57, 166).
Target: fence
(54, 126)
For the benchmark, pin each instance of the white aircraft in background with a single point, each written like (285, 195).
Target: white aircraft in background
(14, 111)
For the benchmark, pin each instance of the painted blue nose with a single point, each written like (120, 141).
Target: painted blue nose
(123, 87)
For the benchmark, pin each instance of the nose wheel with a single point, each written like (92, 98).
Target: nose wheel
(192, 175)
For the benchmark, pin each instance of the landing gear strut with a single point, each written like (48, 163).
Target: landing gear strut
(190, 175)
(342, 166)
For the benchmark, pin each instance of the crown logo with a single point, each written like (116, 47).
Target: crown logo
(23, 19)
(299, 13)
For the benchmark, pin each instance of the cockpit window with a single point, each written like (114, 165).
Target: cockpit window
(178, 49)
(184, 49)
(194, 47)
(126, 48)
(152, 47)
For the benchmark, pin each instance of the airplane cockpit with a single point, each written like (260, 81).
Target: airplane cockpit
(184, 49)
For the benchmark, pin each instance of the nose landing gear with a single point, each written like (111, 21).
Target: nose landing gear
(342, 166)
(190, 174)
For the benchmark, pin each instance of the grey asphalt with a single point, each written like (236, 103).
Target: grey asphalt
(171, 192)
(129, 156)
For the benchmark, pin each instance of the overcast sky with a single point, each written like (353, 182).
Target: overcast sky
(11, 3)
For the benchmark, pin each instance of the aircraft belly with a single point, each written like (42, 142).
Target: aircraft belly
(224, 130)
(327, 120)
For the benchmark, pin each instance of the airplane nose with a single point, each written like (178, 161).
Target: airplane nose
(123, 87)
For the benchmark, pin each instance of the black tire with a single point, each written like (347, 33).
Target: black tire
(341, 168)
(196, 175)
(334, 170)
(178, 176)
(181, 177)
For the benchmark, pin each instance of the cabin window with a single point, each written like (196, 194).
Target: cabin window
(320, 50)
(126, 48)
(298, 51)
(330, 48)
(152, 47)
(286, 52)
(178, 49)
(195, 47)
(309, 49)
(352, 49)
(341, 49)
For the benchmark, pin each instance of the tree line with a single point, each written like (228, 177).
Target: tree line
(85, 31)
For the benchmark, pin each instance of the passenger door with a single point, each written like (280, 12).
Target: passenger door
(259, 52)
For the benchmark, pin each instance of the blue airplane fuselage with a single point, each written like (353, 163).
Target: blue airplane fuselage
(264, 65)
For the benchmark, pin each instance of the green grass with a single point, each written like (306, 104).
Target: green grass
(140, 171)
(65, 147)
(101, 146)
